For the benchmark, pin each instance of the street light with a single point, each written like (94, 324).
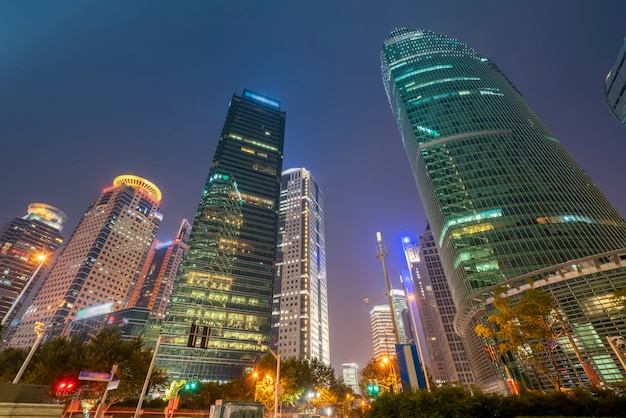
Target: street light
(39, 330)
(277, 384)
(16, 301)
(395, 385)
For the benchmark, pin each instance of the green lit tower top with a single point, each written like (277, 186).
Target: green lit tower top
(224, 285)
(502, 195)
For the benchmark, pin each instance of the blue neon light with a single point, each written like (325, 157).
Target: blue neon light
(261, 99)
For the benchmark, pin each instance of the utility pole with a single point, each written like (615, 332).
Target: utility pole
(382, 254)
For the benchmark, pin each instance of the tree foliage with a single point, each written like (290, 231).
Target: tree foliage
(384, 373)
(62, 359)
(619, 299)
(526, 329)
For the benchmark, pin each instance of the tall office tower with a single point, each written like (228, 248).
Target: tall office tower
(502, 195)
(224, 285)
(448, 355)
(615, 86)
(300, 313)
(351, 377)
(401, 312)
(383, 336)
(22, 240)
(101, 260)
(156, 281)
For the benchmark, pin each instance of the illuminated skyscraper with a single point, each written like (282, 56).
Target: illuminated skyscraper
(383, 334)
(502, 195)
(156, 280)
(224, 285)
(401, 312)
(437, 311)
(300, 314)
(101, 260)
(615, 86)
(22, 240)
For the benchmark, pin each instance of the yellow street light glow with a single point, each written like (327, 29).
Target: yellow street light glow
(136, 181)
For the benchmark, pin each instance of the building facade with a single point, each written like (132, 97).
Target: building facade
(101, 261)
(156, 280)
(351, 377)
(27, 244)
(224, 284)
(383, 335)
(502, 195)
(437, 309)
(300, 313)
(401, 313)
(615, 87)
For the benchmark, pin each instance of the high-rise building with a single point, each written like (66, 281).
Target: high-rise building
(401, 313)
(502, 195)
(615, 87)
(224, 284)
(448, 357)
(156, 280)
(101, 261)
(22, 241)
(383, 334)
(351, 377)
(300, 313)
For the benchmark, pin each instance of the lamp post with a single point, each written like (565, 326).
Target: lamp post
(277, 384)
(40, 333)
(42, 260)
(395, 385)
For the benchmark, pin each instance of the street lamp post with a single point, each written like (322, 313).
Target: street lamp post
(16, 301)
(39, 330)
(277, 384)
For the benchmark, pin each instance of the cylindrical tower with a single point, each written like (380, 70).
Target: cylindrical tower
(502, 195)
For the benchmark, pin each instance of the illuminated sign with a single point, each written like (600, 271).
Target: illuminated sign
(261, 99)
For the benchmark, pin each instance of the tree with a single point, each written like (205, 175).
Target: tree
(530, 329)
(619, 299)
(106, 349)
(57, 359)
(372, 372)
(525, 329)
(11, 360)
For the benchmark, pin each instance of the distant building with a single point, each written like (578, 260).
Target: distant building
(300, 314)
(383, 335)
(101, 260)
(401, 313)
(225, 280)
(156, 280)
(22, 240)
(448, 358)
(615, 86)
(351, 377)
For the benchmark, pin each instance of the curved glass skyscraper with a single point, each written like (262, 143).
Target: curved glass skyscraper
(502, 195)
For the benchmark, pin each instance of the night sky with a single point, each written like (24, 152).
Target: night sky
(91, 90)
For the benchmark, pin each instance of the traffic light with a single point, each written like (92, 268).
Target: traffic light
(204, 341)
(65, 387)
(194, 332)
(372, 388)
(193, 335)
(191, 385)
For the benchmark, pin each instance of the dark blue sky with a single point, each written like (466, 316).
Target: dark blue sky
(91, 90)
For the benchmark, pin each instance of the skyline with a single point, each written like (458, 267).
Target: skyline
(82, 102)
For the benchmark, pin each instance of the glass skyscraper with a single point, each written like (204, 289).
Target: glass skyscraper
(224, 285)
(502, 195)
